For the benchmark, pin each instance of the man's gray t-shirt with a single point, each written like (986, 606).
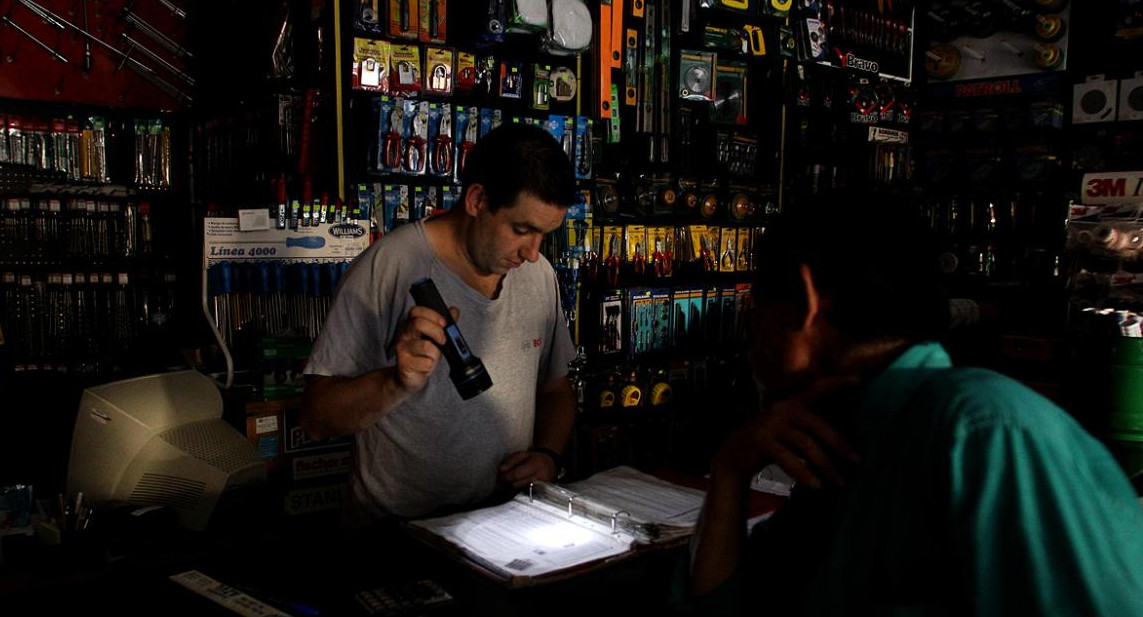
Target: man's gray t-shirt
(435, 449)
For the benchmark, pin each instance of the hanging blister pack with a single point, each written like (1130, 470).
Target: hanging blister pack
(489, 119)
(406, 68)
(449, 196)
(370, 65)
(528, 16)
(696, 75)
(584, 153)
(439, 70)
(466, 127)
(368, 17)
(729, 93)
(441, 143)
(511, 79)
(571, 28)
(425, 202)
(390, 123)
(404, 18)
(434, 21)
(465, 71)
(541, 86)
(396, 202)
(414, 159)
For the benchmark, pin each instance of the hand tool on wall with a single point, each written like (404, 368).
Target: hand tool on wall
(665, 98)
(616, 34)
(645, 116)
(86, 43)
(154, 33)
(471, 131)
(442, 147)
(42, 45)
(127, 60)
(604, 59)
(391, 148)
(612, 262)
(416, 146)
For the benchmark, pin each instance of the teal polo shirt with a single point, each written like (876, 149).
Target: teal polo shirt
(975, 496)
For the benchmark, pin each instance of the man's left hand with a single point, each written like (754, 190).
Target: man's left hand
(522, 468)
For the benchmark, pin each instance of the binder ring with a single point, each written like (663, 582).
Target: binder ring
(613, 517)
(530, 498)
(571, 498)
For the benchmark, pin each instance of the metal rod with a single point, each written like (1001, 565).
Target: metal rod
(147, 72)
(35, 40)
(43, 13)
(176, 11)
(158, 59)
(155, 34)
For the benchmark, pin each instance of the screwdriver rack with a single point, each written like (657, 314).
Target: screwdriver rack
(276, 282)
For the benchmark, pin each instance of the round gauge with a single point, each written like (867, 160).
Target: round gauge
(709, 206)
(942, 61)
(1050, 27)
(741, 207)
(690, 200)
(1048, 56)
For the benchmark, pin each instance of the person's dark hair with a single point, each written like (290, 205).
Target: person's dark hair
(519, 158)
(874, 260)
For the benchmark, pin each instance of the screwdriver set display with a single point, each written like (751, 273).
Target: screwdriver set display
(274, 282)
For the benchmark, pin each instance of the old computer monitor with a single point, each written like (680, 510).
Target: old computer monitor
(161, 440)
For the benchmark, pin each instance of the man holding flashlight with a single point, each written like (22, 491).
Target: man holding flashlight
(419, 447)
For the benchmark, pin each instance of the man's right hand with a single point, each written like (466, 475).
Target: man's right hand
(790, 434)
(417, 347)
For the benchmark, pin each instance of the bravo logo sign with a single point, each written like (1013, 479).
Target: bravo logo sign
(1113, 187)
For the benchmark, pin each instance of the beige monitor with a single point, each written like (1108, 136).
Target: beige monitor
(160, 440)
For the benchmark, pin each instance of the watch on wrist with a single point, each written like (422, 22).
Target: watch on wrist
(556, 457)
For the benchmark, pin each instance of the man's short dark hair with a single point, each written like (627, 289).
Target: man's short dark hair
(519, 158)
(875, 260)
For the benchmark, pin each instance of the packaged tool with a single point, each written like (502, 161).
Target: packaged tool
(611, 323)
(564, 84)
(439, 70)
(434, 21)
(467, 128)
(511, 79)
(571, 28)
(441, 144)
(541, 86)
(396, 204)
(404, 18)
(696, 76)
(465, 71)
(729, 93)
(489, 119)
(527, 16)
(368, 17)
(406, 68)
(370, 65)
(390, 142)
(584, 152)
(416, 135)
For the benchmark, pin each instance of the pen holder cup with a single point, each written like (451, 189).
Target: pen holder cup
(1125, 417)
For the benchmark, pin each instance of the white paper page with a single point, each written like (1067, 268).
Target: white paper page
(523, 540)
(646, 497)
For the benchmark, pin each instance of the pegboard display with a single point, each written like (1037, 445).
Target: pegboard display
(97, 52)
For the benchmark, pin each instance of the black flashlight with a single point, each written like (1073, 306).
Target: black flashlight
(466, 370)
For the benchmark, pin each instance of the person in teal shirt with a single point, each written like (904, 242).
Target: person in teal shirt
(923, 489)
